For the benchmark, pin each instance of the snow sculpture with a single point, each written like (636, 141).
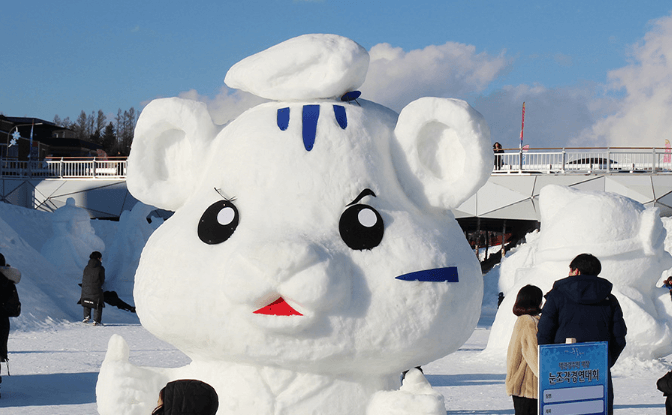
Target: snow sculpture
(629, 241)
(311, 257)
(123, 254)
(73, 240)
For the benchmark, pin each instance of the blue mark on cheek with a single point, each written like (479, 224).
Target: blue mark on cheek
(341, 117)
(448, 274)
(311, 113)
(283, 118)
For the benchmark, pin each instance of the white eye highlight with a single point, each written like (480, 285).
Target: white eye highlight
(367, 217)
(226, 216)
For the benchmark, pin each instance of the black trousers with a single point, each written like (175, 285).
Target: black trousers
(97, 314)
(610, 395)
(4, 336)
(524, 406)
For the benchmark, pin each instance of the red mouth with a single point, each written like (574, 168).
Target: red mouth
(278, 307)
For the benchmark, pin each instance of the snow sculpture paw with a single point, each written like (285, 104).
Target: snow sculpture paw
(415, 397)
(124, 388)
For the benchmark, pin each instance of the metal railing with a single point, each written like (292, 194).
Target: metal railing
(581, 160)
(568, 160)
(64, 168)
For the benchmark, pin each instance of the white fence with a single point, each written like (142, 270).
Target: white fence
(68, 168)
(512, 161)
(584, 160)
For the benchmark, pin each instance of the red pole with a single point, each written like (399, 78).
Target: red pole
(522, 127)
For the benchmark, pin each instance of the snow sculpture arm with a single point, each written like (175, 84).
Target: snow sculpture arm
(415, 397)
(123, 388)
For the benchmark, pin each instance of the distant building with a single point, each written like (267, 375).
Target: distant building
(48, 139)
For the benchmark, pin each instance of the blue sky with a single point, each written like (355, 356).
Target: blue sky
(559, 57)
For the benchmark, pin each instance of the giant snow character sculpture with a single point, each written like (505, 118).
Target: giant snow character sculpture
(627, 238)
(311, 257)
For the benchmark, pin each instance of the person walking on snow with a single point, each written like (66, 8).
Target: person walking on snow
(92, 289)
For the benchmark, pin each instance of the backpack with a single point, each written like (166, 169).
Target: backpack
(12, 307)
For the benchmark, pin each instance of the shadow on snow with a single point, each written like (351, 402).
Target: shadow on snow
(48, 389)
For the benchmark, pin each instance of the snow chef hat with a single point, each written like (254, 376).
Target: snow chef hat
(314, 66)
(605, 224)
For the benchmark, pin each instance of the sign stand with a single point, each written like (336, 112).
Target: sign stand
(573, 379)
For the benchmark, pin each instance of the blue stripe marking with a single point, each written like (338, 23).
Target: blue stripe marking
(448, 274)
(283, 118)
(341, 117)
(311, 113)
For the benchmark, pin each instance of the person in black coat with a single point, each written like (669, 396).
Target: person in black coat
(92, 288)
(8, 278)
(187, 397)
(5, 290)
(9, 303)
(664, 385)
(582, 306)
(497, 149)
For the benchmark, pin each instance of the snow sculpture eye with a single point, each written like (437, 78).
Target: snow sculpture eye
(218, 222)
(361, 227)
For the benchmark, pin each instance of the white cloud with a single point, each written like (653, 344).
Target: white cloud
(396, 77)
(553, 117)
(227, 105)
(577, 115)
(644, 115)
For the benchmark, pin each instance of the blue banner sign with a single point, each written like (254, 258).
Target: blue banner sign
(573, 379)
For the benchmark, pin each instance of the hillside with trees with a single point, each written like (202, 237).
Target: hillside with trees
(114, 136)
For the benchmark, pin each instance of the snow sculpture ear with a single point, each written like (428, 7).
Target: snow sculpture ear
(446, 149)
(168, 150)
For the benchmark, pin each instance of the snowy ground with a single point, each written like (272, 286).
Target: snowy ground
(55, 359)
(54, 371)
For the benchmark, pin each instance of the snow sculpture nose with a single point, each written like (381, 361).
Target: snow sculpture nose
(279, 261)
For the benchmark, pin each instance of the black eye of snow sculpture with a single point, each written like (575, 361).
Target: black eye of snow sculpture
(218, 222)
(361, 227)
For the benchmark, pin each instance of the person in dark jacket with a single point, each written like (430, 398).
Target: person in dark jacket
(8, 278)
(582, 306)
(664, 385)
(92, 288)
(187, 397)
(497, 149)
